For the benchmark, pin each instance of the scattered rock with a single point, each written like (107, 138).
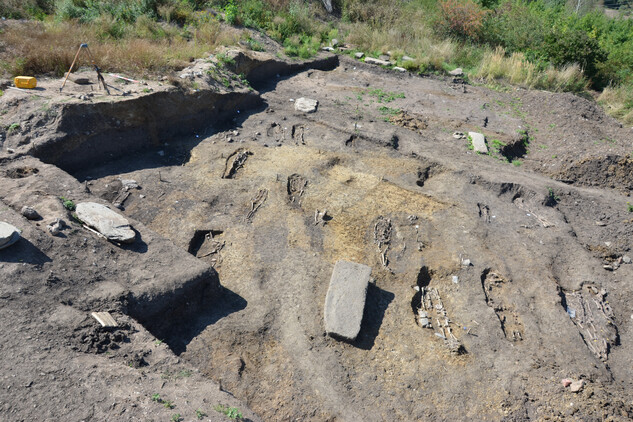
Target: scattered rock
(458, 135)
(345, 299)
(334, 42)
(626, 259)
(30, 213)
(107, 222)
(399, 69)
(466, 263)
(377, 62)
(456, 72)
(384, 57)
(306, 105)
(566, 382)
(359, 55)
(9, 234)
(55, 227)
(577, 386)
(407, 59)
(479, 142)
(330, 49)
(600, 223)
(129, 184)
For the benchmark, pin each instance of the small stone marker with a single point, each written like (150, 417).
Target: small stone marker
(345, 299)
(378, 62)
(359, 55)
(479, 142)
(8, 235)
(107, 222)
(456, 72)
(105, 319)
(306, 105)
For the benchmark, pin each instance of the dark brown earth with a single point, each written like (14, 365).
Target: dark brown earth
(243, 215)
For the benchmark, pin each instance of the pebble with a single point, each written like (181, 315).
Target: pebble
(577, 386)
(359, 55)
(626, 259)
(566, 382)
(399, 69)
(466, 262)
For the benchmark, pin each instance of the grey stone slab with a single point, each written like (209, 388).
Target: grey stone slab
(399, 69)
(9, 234)
(359, 55)
(345, 299)
(306, 105)
(479, 142)
(112, 225)
(378, 62)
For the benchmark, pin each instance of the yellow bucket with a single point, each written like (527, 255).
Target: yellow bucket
(28, 82)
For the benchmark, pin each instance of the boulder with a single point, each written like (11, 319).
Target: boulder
(345, 299)
(456, 72)
(377, 62)
(306, 105)
(8, 235)
(30, 213)
(107, 222)
(479, 142)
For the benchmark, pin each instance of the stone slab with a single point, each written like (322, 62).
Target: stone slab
(345, 299)
(105, 319)
(9, 234)
(479, 142)
(107, 222)
(377, 62)
(306, 105)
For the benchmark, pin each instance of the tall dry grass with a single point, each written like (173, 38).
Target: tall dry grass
(517, 70)
(618, 102)
(32, 48)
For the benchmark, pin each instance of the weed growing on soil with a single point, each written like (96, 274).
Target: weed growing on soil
(13, 127)
(629, 207)
(385, 96)
(176, 417)
(232, 413)
(168, 404)
(516, 163)
(67, 203)
(156, 398)
(200, 414)
(388, 111)
(225, 60)
(551, 196)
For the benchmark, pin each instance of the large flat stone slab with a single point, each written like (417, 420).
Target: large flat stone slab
(345, 299)
(9, 234)
(479, 142)
(377, 62)
(112, 225)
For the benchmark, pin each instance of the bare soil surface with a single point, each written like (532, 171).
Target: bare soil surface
(518, 258)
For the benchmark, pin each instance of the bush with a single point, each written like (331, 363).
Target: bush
(463, 19)
(575, 46)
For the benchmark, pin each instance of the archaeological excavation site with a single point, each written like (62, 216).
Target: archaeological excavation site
(323, 239)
